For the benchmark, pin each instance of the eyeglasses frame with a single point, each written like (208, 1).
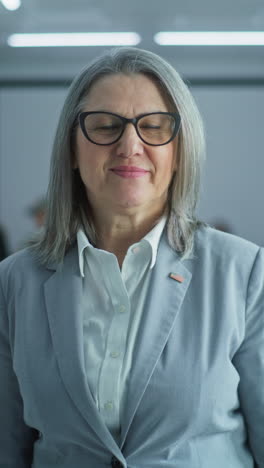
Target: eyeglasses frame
(134, 122)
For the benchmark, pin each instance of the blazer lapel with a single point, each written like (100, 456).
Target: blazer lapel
(169, 283)
(63, 293)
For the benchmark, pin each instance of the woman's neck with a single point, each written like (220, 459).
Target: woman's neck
(118, 233)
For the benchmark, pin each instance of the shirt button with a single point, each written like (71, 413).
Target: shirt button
(136, 250)
(121, 308)
(108, 405)
(114, 354)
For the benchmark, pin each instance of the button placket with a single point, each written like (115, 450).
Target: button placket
(111, 367)
(109, 405)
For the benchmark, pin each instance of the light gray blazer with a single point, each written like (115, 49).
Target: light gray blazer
(196, 389)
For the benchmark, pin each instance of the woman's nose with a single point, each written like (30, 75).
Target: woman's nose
(130, 144)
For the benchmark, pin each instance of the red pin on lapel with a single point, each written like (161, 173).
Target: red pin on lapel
(178, 278)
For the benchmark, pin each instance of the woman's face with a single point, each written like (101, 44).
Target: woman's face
(104, 170)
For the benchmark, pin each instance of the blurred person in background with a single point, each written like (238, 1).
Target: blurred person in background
(131, 334)
(3, 244)
(37, 211)
(222, 225)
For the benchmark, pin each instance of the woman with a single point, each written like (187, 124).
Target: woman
(131, 334)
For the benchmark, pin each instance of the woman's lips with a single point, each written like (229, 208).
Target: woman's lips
(132, 172)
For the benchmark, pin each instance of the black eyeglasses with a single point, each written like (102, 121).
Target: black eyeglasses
(106, 128)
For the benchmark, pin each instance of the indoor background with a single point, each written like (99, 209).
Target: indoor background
(227, 82)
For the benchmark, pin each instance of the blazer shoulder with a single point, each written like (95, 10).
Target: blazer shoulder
(210, 241)
(19, 265)
(17, 260)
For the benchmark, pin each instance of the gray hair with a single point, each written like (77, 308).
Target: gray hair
(67, 205)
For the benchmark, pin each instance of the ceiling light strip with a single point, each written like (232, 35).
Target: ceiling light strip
(74, 39)
(210, 38)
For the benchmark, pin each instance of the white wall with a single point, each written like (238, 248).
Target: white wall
(232, 187)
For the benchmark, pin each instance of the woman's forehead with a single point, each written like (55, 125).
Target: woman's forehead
(134, 88)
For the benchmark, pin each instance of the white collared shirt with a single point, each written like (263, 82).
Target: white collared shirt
(113, 303)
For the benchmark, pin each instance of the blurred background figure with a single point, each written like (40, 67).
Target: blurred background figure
(38, 212)
(3, 244)
(222, 225)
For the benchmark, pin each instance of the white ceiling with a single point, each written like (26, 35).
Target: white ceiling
(145, 17)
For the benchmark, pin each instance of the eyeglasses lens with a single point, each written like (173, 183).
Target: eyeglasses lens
(103, 128)
(156, 129)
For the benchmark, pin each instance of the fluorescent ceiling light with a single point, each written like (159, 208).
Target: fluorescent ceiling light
(74, 39)
(11, 4)
(210, 38)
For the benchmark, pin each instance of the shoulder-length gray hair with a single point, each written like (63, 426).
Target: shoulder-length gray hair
(67, 205)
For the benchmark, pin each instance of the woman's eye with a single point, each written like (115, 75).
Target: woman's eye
(152, 127)
(107, 127)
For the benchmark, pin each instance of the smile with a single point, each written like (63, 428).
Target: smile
(129, 171)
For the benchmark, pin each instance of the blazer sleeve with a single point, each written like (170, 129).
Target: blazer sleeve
(16, 438)
(249, 362)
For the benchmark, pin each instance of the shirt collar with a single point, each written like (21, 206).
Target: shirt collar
(152, 237)
(82, 242)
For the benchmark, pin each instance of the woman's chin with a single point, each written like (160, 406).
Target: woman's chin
(131, 198)
(131, 203)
